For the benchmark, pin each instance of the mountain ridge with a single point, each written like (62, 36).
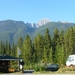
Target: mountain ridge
(12, 30)
(39, 23)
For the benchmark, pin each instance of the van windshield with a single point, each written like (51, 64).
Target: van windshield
(71, 59)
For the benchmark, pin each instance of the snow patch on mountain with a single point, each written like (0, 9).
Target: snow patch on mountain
(38, 24)
(43, 21)
(32, 25)
(63, 22)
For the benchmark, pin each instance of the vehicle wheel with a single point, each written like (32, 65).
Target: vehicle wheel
(71, 65)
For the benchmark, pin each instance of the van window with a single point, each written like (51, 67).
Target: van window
(71, 59)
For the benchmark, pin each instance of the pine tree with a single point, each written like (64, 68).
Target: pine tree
(61, 38)
(51, 56)
(69, 42)
(27, 50)
(14, 50)
(55, 42)
(45, 55)
(66, 43)
(59, 54)
(20, 46)
(7, 48)
(38, 47)
(74, 39)
(47, 43)
(20, 42)
(1, 47)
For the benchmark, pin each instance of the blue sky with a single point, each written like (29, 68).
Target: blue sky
(35, 10)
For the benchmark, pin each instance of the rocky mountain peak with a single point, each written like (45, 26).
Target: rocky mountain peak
(43, 21)
(38, 24)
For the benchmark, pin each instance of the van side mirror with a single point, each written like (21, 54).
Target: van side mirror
(22, 63)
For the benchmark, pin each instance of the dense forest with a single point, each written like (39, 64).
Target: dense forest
(44, 48)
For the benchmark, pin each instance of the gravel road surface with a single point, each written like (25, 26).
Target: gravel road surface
(35, 74)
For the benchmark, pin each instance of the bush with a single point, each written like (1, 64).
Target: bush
(36, 67)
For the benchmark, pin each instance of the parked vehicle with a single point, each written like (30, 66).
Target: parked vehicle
(52, 67)
(71, 60)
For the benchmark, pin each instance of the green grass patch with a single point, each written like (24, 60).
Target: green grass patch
(66, 70)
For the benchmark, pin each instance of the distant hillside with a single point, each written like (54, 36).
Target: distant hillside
(11, 30)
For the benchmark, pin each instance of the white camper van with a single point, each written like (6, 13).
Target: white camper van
(71, 60)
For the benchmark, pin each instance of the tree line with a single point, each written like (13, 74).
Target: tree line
(44, 48)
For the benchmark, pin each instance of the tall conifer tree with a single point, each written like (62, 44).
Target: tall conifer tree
(47, 43)
(20, 46)
(27, 50)
(38, 47)
(55, 42)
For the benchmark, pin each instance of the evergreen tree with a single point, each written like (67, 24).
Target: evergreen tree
(27, 50)
(61, 38)
(66, 43)
(38, 47)
(74, 40)
(20, 46)
(50, 56)
(1, 47)
(14, 50)
(45, 55)
(69, 42)
(7, 48)
(47, 43)
(55, 42)
(20, 42)
(59, 54)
